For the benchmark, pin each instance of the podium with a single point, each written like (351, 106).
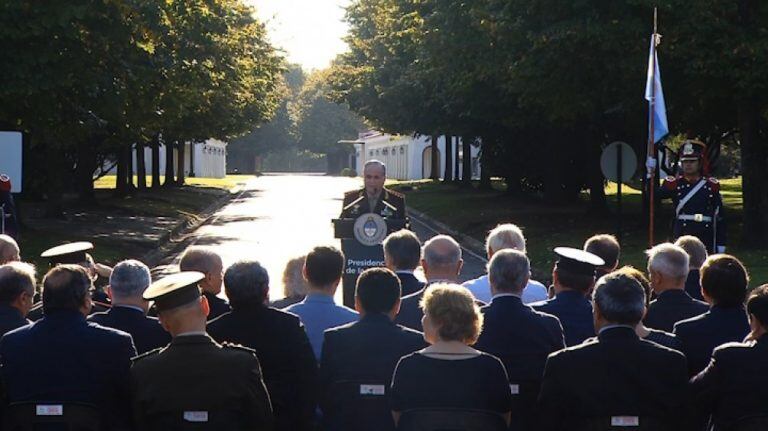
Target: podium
(361, 239)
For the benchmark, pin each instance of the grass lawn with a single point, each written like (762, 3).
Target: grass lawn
(474, 212)
(229, 182)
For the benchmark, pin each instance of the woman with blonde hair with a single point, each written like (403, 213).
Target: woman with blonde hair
(294, 286)
(450, 375)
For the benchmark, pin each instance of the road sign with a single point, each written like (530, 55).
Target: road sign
(10, 158)
(618, 161)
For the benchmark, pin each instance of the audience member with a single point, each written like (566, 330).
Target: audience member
(662, 338)
(573, 278)
(668, 269)
(606, 247)
(734, 386)
(62, 358)
(441, 262)
(697, 253)
(521, 337)
(9, 249)
(278, 337)
(77, 253)
(502, 237)
(294, 286)
(195, 379)
(127, 283)
(207, 261)
(322, 270)
(17, 292)
(724, 283)
(402, 254)
(607, 380)
(449, 374)
(360, 357)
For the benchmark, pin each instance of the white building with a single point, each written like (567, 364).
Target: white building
(202, 159)
(406, 157)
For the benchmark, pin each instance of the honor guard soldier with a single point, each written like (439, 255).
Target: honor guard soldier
(9, 223)
(696, 196)
(374, 198)
(194, 382)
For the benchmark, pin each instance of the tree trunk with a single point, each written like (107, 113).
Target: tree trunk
(435, 162)
(169, 162)
(141, 167)
(456, 159)
(192, 160)
(121, 184)
(485, 163)
(597, 199)
(180, 165)
(754, 165)
(466, 161)
(448, 175)
(86, 165)
(129, 163)
(156, 162)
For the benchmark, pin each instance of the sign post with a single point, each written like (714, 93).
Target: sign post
(618, 163)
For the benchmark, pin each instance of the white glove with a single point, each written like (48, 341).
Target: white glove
(650, 165)
(721, 249)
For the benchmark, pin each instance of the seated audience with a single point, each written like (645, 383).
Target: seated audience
(662, 338)
(294, 286)
(607, 379)
(287, 362)
(322, 270)
(502, 237)
(449, 374)
(668, 269)
(521, 337)
(363, 354)
(734, 386)
(9, 249)
(441, 262)
(724, 283)
(207, 261)
(573, 278)
(402, 254)
(62, 358)
(697, 253)
(607, 248)
(127, 283)
(17, 292)
(77, 253)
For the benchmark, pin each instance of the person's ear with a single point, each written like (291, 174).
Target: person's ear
(358, 306)
(109, 293)
(459, 266)
(395, 309)
(424, 265)
(304, 272)
(205, 305)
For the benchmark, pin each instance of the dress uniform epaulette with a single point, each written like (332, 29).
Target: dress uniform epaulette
(353, 193)
(147, 354)
(670, 182)
(396, 193)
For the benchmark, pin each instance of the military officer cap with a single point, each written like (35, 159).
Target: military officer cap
(691, 150)
(175, 290)
(578, 261)
(74, 252)
(5, 183)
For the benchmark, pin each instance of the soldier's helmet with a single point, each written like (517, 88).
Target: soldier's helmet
(691, 150)
(5, 183)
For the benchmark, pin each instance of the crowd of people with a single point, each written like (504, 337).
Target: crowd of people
(680, 346)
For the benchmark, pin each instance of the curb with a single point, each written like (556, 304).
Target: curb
(466, 241)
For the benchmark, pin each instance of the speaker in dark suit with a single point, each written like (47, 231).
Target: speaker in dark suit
(288, 365)
(734, 386)
(724, 284)
(521, 337)
(359, 358)
(672, 306)
(606, 380)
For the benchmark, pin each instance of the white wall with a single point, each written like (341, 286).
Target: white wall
(210, 159)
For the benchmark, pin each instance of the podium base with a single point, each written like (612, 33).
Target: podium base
(358, 258)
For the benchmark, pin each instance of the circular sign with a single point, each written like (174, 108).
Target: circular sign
(618, 156)
(370, 229)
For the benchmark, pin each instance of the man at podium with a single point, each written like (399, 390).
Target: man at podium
(374, 198)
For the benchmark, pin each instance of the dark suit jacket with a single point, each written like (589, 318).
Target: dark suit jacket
(365, 352)
(614, 374)
(147, 333)
(734, 384)
(196, 374)
(64, 358)
(10, 319)
(522, 338)
(693, 284)
(701, 334)
(409, 283)
(287, 361)
(218, 305)
(575, 313)
(410, 312)
(670, 307)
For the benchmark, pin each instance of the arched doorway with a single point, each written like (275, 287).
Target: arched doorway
(426, 162)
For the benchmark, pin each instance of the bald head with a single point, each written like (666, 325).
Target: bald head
(442, 258)
(9, 249)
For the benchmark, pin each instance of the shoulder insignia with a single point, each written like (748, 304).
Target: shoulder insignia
(395, 193)
(714, 183)
(147, 354)
(670, 182)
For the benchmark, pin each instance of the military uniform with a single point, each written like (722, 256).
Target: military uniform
(389, 204)
(9, 223)
(698, 205)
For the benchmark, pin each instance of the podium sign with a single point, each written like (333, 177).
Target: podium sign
(361, 240)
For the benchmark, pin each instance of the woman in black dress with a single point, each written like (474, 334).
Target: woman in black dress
(449, 374)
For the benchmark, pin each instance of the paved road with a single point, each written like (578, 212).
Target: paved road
(281, 216)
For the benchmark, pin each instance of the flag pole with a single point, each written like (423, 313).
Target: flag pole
(651, 135)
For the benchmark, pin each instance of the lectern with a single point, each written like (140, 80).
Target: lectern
(361, 239)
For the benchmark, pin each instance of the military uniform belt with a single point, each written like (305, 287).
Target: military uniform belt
(701, 218)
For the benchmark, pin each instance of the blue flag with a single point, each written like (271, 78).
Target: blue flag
(654, 92)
